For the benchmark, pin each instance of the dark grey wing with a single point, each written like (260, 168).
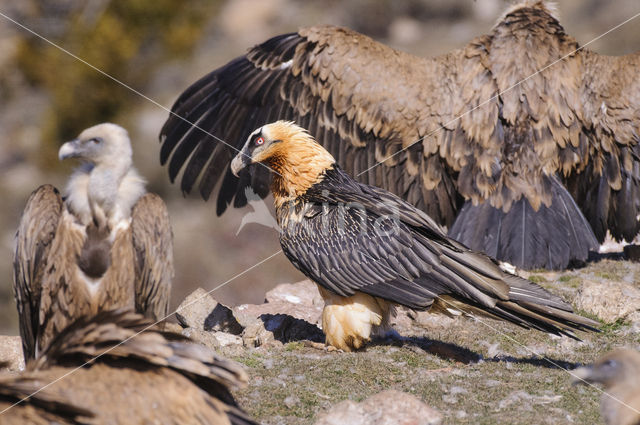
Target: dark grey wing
(368, 240)
(153, 246)
(36, 232)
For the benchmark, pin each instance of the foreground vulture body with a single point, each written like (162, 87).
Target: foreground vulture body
(367, 249)
(619, 373)
(142, 376)
(107, 244)
(511, 169)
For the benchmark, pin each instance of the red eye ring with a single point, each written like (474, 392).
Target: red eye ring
(259, 141)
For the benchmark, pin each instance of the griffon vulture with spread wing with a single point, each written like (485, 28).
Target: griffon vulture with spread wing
(106, 244)
(522, 144)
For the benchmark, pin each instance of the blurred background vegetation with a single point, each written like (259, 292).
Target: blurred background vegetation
(159, 47)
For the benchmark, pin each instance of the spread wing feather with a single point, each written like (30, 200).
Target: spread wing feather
(36, 232)
(306, 77)
(494, 121)
(153, 244)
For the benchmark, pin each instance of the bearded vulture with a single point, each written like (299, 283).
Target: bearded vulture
(142, 376)
(619, 373)
(522, 145)
(106, 244)
(367, 249)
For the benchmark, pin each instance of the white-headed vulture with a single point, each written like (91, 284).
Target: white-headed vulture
(116, 368)
(523, 146)
(619, 373)
(368, 249)
(106, 244)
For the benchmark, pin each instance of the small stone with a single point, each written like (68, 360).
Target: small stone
(386, 407)
(305, 293)
(194, 310)
(206, 338)
(247, 313)
(255, 335)
(226, 339)
(610, 301)
(291, 401)
(11, 357)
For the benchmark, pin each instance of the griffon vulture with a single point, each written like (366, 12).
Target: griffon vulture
(521, 144)
(619, 373)
(140, 376)
(106, 244)
(367, 249)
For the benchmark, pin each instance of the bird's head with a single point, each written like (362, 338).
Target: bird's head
(292, 154)
(102, 143)
(613, 367)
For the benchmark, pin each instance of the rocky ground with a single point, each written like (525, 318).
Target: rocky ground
(209, 250)
(432, 369)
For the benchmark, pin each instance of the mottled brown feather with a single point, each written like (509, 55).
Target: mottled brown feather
(50, 283)
(141, 376)
(576, 120)
(153, 244)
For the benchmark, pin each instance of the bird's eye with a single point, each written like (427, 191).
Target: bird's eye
(259, 141)
(95, 140)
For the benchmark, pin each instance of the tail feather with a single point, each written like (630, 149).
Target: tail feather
(525, 314)
(552, 237)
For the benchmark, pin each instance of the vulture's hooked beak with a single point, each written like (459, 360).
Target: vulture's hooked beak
(69, 149)
(241, 160)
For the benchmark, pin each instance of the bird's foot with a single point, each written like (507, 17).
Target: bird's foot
(320, 346)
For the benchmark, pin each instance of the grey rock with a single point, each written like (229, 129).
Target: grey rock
(11, 357)
(206, 338)
(200, 311)
(386, 408)
(227, 339)
(291, 313)
(609, 301)
(194, 310)
(255, 335)
(305, 293)
(247, 313)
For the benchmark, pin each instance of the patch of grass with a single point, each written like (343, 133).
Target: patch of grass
(536, 278)
(251, 360)
(612, 328)
(570, 280)
(294, 346)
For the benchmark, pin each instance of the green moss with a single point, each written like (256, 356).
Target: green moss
(612, 328)
(294, 346)
(537, 278)
(127, 40)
